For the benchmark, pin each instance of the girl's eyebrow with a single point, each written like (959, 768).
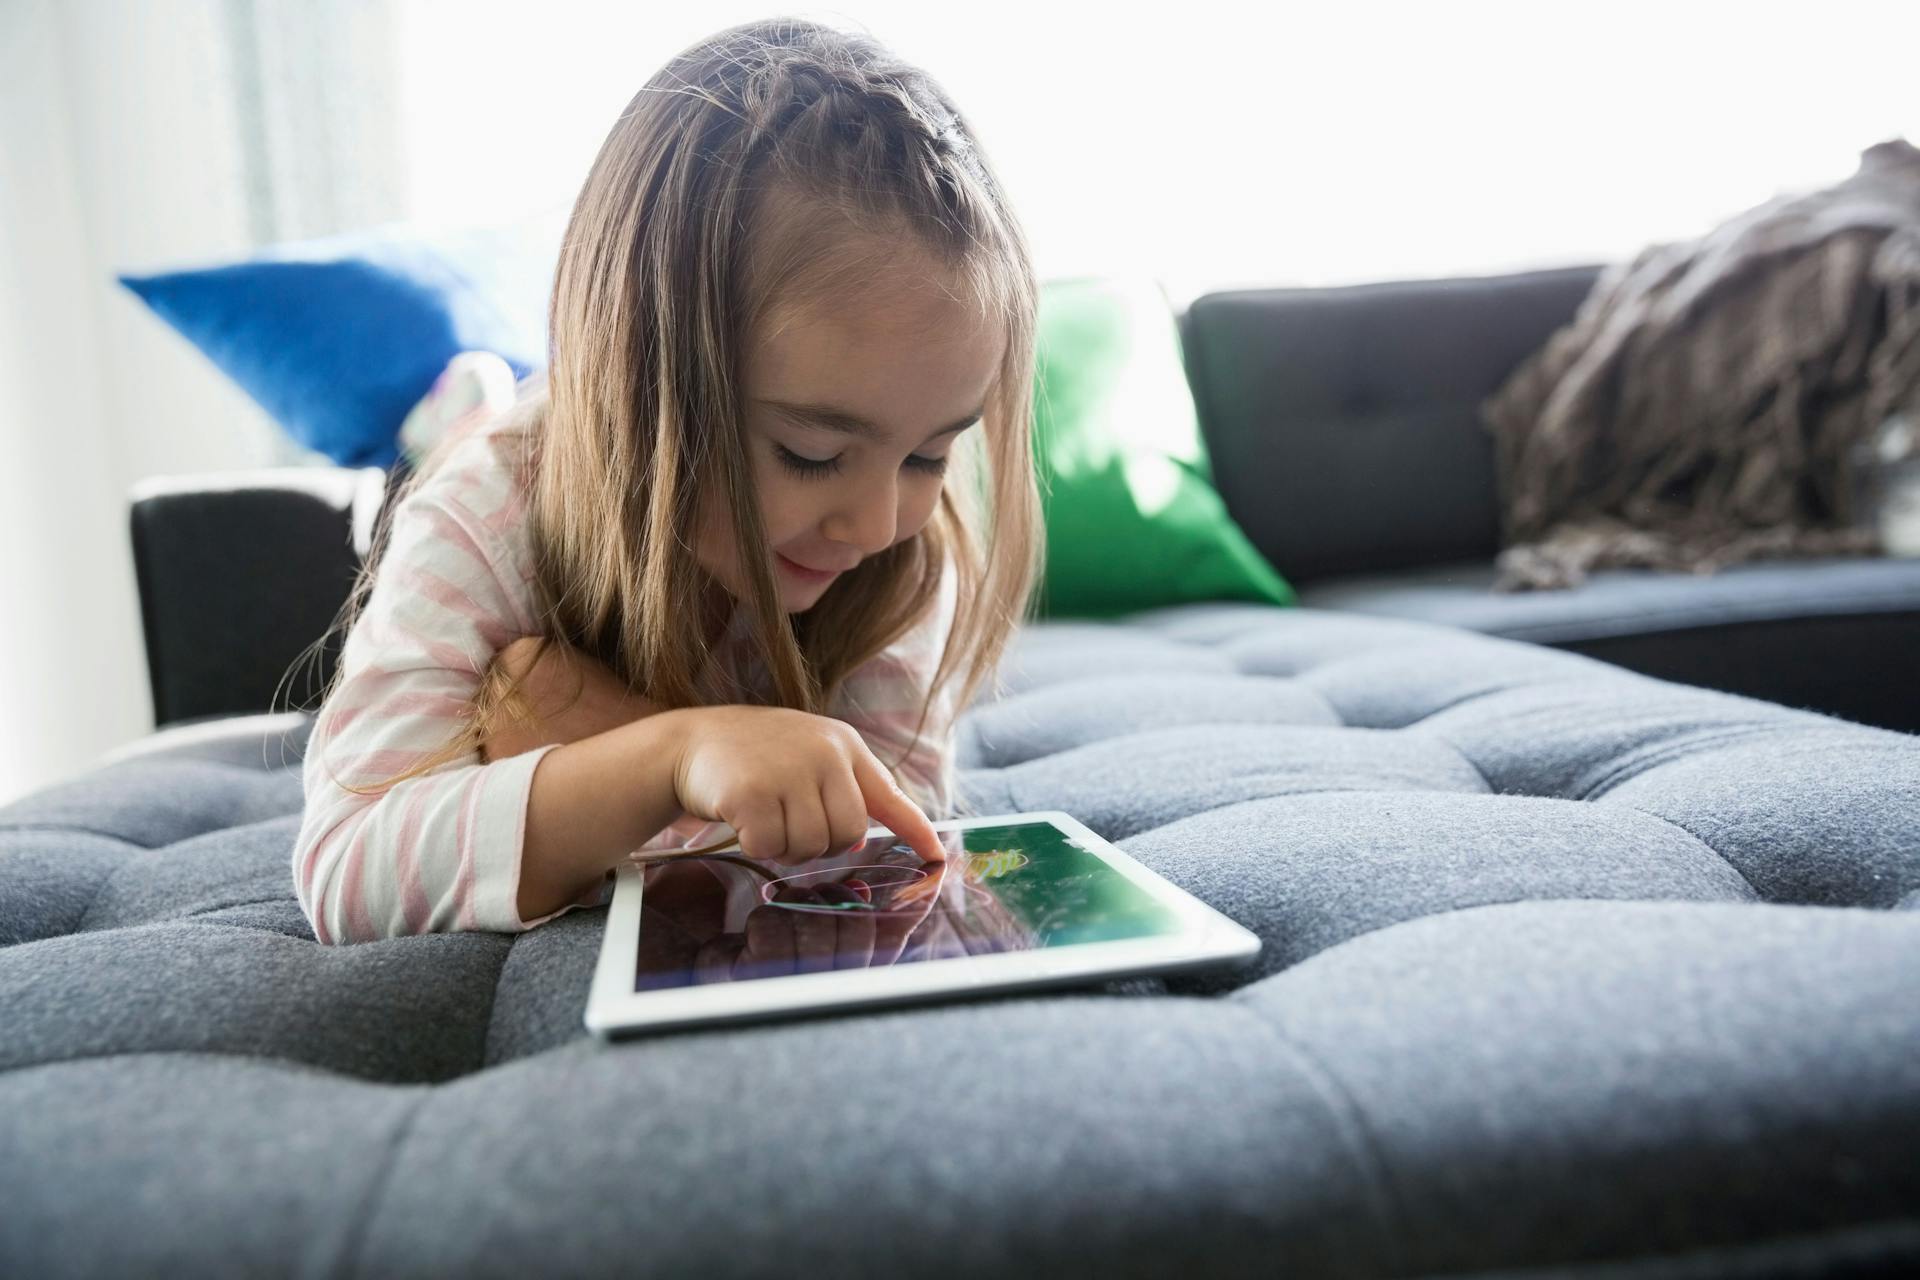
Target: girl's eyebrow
(828, 418)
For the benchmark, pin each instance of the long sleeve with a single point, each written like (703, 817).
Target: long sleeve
(882, 700)
(440, 851)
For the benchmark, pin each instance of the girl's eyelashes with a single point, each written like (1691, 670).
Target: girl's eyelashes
(818, 467)
(805, 466)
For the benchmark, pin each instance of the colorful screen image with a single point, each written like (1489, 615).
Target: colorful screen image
(1015, 887)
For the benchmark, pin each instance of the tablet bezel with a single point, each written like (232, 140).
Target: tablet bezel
(1205, 938)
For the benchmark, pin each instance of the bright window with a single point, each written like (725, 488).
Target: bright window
(1222, 145)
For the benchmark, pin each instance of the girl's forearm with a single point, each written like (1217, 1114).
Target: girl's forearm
(592, 802)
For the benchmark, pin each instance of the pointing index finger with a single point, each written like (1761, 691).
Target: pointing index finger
(896, 809)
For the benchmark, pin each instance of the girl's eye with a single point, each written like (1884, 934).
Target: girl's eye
(806, 466)
(827, 466)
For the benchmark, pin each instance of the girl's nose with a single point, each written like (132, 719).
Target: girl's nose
(867, 519)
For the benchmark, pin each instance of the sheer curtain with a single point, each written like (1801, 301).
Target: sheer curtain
(137, 136)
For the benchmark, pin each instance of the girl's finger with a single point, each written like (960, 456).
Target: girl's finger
(846, 811)
(760, 828)
(807, 836)
(896, 809)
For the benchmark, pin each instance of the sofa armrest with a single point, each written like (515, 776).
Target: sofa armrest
(239, 574)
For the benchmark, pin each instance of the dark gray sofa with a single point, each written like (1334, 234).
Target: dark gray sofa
(1567, 970)
(1346, 439)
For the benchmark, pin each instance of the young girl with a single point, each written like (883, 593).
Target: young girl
(737, 560)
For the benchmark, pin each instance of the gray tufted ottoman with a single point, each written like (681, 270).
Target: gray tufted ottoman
(1561, 965)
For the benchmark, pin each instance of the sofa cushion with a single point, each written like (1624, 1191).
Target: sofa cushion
(1838, 635)
(1562, 965)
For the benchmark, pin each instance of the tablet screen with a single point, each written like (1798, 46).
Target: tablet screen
(1016, 887)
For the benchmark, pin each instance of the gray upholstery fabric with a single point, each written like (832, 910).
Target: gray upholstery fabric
(1833, 635)
(1565, 969)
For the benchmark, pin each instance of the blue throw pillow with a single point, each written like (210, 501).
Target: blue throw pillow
(339, 338)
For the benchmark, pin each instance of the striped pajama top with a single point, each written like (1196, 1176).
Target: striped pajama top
(441, 851)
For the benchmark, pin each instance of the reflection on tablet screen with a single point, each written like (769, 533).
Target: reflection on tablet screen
(1018, 887)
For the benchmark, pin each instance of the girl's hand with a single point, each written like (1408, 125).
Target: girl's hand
(793, 786)
(573, 696)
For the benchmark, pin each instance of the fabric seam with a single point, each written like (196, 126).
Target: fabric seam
(370, 1204)
(1701, 840)
(1350, 1118)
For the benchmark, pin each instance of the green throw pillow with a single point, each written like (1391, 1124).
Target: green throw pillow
(1133, 520)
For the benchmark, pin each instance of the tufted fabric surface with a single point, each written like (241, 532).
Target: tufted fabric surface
(1562, 965)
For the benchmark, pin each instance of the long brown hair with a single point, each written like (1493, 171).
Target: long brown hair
(732, 185)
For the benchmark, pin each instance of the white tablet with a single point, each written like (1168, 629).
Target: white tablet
(1022, 900)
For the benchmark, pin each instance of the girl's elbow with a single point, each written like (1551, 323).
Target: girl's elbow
(313, 907)
(321, 892)
(319, 904)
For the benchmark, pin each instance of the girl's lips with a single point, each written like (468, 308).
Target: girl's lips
(805, 574)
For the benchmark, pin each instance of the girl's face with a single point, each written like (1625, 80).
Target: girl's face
(850, 412)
